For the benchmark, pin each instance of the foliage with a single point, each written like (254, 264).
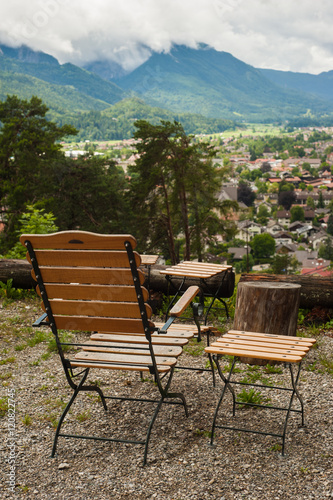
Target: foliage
(34, 221)
(286, 198)
(174, 186)
(263, 246)
(245, 194)
(118, 121)
(330, 225)
(284, 264)
(326, 250)
(28, 147)
(297, 214)
(91, 195)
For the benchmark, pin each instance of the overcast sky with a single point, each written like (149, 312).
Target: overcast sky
(290, 35)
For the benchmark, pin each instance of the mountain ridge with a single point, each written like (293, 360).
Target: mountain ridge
(202, 81)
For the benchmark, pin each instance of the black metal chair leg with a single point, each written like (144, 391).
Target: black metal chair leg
(64, 413)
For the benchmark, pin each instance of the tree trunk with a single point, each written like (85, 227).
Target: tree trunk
(267, 307)
(315, 290)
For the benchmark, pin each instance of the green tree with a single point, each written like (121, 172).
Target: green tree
(284, 264)
(297, 214)
(245, 194)
(326, 250)
(34, 221)
(330, 225)
(29, 145)
(90, 195)
(174, 187)
(310, 202)
(262, 214)
(263, 246)
(321, 203)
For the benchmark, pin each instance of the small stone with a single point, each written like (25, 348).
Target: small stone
(63, 466)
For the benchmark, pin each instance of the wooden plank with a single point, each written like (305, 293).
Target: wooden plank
(261, 341)
(100, 258)
(275, 341)
(123, 358)
(91, 292)
(127, 367)
(184, 301)
(188, 273)
(273, 336)
(79, 240)
(89, 324)
(205, 265)
(88, 275)
(149, 260)
(253, 354)
(262, 347)
(138, 339)
(132, 348)
(97, 308)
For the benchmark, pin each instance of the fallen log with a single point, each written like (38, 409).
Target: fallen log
(20, 272)
(17, 270)
(157, 282)
(315, 290)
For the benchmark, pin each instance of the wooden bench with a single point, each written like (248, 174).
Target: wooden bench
(90, 284)
(284, 349)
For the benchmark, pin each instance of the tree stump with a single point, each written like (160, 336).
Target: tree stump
(267, 307)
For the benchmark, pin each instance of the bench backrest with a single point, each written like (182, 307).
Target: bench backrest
(90, 282)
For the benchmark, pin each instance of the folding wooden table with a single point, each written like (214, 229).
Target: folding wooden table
(202, 271)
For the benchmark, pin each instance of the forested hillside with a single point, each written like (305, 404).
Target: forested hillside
(117, 122)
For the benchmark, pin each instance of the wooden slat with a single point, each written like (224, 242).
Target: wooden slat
(253, 354)
(93, 292)
(259, 347)
(272, 341)
(268, 336)
(97, 308)
(127, 367)
(132, 348)
(138, 339)
(171, 334)
(189, 273)
(88, 275)
(87, 323)
(123, 358)
(148, 260)
(79, 240)
(100, 258)
(208, 265)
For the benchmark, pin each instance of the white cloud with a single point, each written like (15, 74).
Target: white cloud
(285, 35)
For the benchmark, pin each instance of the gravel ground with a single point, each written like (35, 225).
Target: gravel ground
(181, 464)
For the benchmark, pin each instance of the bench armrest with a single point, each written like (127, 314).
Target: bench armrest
(180, 307)
(184, 301)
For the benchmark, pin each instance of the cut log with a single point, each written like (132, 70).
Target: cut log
(159, 283)
(315, 290)
(267, 307)
(19, 271)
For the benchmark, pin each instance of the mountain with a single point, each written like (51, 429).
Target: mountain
(202, 83)
(319, 85)
(216, 84)
(21, 69)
